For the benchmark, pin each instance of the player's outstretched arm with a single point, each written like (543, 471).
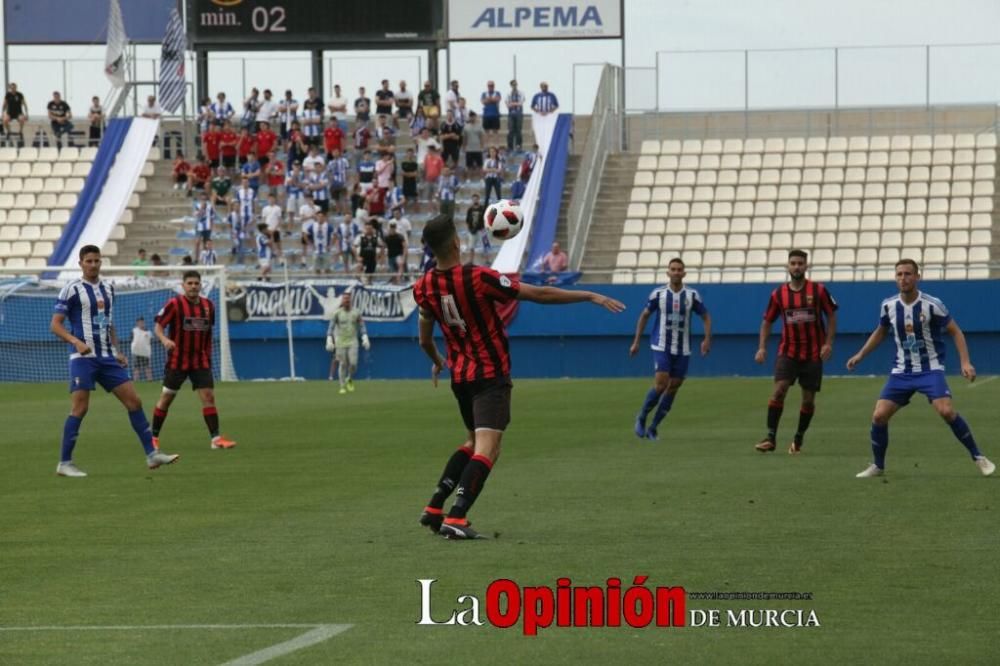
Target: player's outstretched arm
(57, 328)
(968, 371)
(640, 326)
(557, 296)
(874, 340)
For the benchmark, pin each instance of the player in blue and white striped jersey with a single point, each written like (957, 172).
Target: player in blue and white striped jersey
(87, 305)
(671, 307)
(917, 323)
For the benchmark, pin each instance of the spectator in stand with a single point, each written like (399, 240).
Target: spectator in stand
(246, 199)
(270, 215)
(362, 107)
(208, 257)
(517, 189)
(15, 107)
(385, 170)
(424, 143)
(544, 102)
(383, 100)
(375, 204)
(312, 159)
(152, 109)
(323, 240)
(60, 117)
(198, 179)
(288, 114)
(267, 113)
(264, 252)
(429, 101)
(96, 118)
(245, 144)
(337, 169)
(187, 260)
(221, 185)
(180, 172)
(362, 135)
(384, 134)
(555, 261)
(251, 106)
(394, 195)
(141, 261)
(211, 143)
(319, 186)
(491, 99)
(447, 185)
(433, 166)
(493, 170)
(475, 222)
(142, 352)
(156, 260)
(206, 116)
(472, 137)
(338, 108)
(333, 138)
(266, 141)
(204, 219)
(462, 113)
(307, 215)
(451, 98)
(237, 233)
(252, 172)
(395, 245)
(404, 103)
(451, 140)
(312, 119)
(222, 111)
(417, 122)
(515, 117)
(275, 171)
(528, 164)
(403, 223)
(347, 231)
(411, 173)
(296, 147)
(294, 191)
(228, 144)
(366, 172)
(368, 251)
(357, 201)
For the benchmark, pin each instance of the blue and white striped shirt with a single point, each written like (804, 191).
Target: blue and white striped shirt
(346, 234)
(312, 129)
(918, 329)
(236, 226)
(204, 217)
(672, 319)
(337, 168)
(447, 186)
(322, 233)
(515, 97)
(544, 102)
(293, 184)
(89, 309)
(263, 246)
(320, 193)
(207, 258)
(245, 199)
(222, 111)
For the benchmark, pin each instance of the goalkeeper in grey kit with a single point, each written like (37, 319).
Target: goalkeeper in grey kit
(342, 340)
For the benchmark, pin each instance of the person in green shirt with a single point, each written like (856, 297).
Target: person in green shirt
(141, 260)
(342, 338)
(221, 184)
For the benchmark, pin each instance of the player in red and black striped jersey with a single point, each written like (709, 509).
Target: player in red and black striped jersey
(805, 343)
(463, 300)
(184, 327)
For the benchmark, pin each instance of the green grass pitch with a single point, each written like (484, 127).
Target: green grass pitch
(312, 520)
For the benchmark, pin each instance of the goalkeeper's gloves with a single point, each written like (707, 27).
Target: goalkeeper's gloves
(330, 347)
(365, 342)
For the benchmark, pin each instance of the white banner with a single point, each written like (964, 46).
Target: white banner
(114, 57)
(496, 20)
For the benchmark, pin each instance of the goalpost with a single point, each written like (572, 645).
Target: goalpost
(29, 352)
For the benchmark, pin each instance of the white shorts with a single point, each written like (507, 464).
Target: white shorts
(348, 354)
(264, 263)
(293, 203)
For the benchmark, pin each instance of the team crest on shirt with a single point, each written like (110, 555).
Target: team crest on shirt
(196, 324)
(809, 299)
(505, 281)
(909, 326)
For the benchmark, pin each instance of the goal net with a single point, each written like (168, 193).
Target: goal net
(29, 352)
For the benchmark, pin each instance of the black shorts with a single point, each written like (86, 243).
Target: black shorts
(491, 122)
(449, 152)
(370, 265)
(809, 374)
(323, 205)
(276, 236)
(200, 379)
(264, 161)
(214, 164)
(229, 161)
(474, 160)
(484, 404)
(204, 235)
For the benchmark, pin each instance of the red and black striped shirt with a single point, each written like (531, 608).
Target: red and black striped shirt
(189, 325)
(803, 331)
(463, 300)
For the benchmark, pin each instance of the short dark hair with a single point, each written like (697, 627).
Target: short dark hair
(910, 262)
(439, 232)
(89, 249)
(802, 254)
(676, 260)
(190, 274)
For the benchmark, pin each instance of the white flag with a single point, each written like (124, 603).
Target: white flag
(114, 59)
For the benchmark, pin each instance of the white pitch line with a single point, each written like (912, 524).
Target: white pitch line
(317, 635)
(984, 381)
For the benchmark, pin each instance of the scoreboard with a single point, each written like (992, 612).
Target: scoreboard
(303, 24)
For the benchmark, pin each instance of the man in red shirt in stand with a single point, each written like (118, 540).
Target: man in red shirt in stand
(211, 144)
(275, 175)
(266, 141)
(228, 142)
(199, 176)
(245, 145)
(333, 138)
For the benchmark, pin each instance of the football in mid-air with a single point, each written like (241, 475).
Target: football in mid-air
(504, 219)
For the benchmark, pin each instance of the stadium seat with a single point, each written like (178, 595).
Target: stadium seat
(27, 155)
(17, 217)
(981, 221)
(899, 158)
(650, 148)
(649, 244)
(621, 277)
(10, 233)
(42, 249)
(935, 238)
(648, 260)
(655, 226)
(626, 260)
(26, 201)
(672, 244)
(670, 147)
(628, 244)
(41, 169)
(896, 191)
(62, 169)
(636, 210)
(68, 154)
(20, 249)
(986, 140)
(33, 185)
(809, 205)
(51, 232)
(732, 146)
(87, 154)
(664, 178)
(710, 162)
(982, 205)
(67, 200)
(643, 179)
(81, 169)
(983, 189)
(38, 216)
(31, 232)
(640, 194)
(892, 222)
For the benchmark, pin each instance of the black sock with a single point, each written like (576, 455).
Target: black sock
(159, 416)
(211, 420)
(774, 409)
(805, 417)
(471, 484)
(449, 478)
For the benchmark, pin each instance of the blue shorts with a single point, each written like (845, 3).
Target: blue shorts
(86, 373)
(205, 235)
(675, 365)
(900, 388)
